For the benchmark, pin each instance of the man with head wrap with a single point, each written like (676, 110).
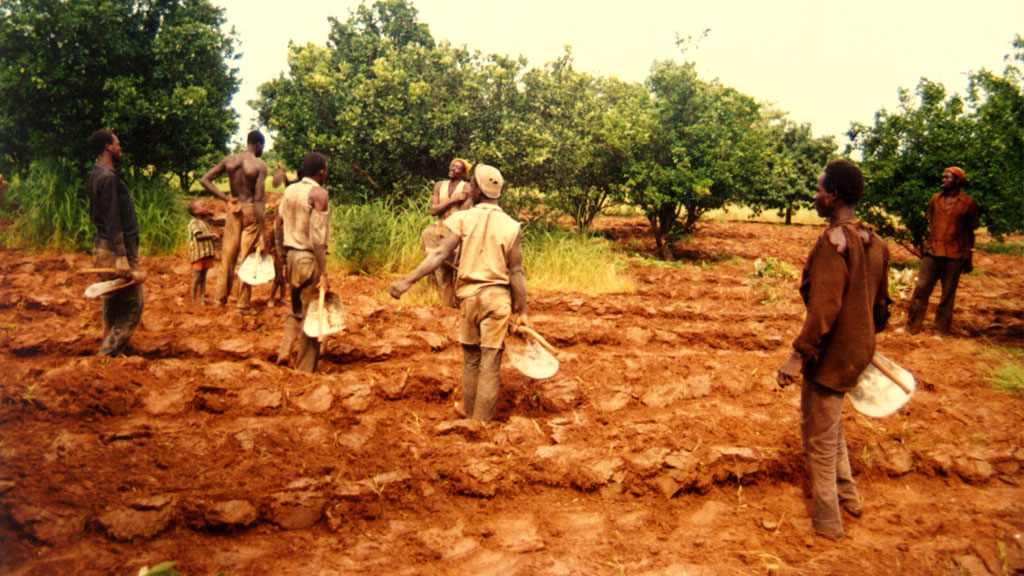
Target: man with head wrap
(449, 197)
(947, 251)
(490, 285)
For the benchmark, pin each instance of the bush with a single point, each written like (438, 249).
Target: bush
(378, 237)
(51, 210)
(564, 261)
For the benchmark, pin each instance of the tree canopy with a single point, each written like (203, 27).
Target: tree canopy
(906, 151)
(154, 71)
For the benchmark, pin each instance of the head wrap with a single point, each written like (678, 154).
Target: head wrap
(465, 163)
(957, 172)
(489, 179)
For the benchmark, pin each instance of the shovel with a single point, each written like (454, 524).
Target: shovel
(257, 268)
(531, 354)
(324, 316)
(98, 289)
(882, 388)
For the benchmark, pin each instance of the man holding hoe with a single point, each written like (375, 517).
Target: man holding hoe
(845, 289)
(116, 245)
(490, 287)
(246, 216)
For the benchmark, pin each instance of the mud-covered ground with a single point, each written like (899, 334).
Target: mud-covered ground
(663, 445)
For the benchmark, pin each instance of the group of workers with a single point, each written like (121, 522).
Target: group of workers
(474, 249)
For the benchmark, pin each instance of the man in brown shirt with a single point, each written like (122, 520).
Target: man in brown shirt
(947, 252)
(845, 290)
(490, 286)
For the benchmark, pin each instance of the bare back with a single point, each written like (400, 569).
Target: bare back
(247, 176)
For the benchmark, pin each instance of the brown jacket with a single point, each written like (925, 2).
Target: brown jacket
(845, 287)
(952, 227)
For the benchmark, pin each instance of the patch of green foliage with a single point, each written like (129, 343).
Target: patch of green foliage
(378, 236)
(50, 210)
(1008, 375)
(565, 261)
(1007, 248)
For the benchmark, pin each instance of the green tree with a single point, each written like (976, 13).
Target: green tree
(154, 71)
(385, 103)
(783, 163)
(692, 155)
(905, 152)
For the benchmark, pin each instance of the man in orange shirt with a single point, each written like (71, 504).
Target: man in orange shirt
(947, 252)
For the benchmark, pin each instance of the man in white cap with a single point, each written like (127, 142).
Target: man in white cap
(490, 286)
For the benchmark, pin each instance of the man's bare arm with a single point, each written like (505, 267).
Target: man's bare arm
(259, 197)
(432, 262)
(517, 278)
(207, 181)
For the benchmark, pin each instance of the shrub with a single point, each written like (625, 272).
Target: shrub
(378, 237)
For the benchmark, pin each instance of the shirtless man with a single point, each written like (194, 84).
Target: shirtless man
(449, 196)
(246, 217)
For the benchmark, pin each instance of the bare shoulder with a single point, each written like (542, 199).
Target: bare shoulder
(837, 237)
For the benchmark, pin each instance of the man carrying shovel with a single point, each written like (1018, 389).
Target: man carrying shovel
(845, 289)
(246, 216)
(304, 219)
(490, 287)
(116, 245)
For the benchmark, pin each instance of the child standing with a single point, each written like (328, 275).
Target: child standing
(200, 249)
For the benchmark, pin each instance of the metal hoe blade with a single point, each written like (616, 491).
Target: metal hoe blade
(256, 269)
(882, 388)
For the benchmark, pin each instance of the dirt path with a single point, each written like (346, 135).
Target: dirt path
(662, 446)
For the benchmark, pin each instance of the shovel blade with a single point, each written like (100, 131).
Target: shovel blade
(876, 394)
(254, 271)
(98, 289)
(530, 358)
(334, 316)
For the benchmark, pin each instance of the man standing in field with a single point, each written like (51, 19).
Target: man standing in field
(490, 286)
(246, 219)
(116, 244)
(947, 252)
(449, 196)
(304, 219)
(845, 289)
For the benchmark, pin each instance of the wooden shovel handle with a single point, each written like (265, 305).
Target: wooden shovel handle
(533, 334)
(890, 375)
(320, 315)
(96, 270)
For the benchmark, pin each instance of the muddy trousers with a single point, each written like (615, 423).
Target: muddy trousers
(241, 233)
(481, 380)
(121, 309)
(935, 269)
(303, 275)
(825, 455)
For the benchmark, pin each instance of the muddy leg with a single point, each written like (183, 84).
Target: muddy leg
(821, 435)
(292, 327)
(121, 311)
(470, 375)
(488, 385)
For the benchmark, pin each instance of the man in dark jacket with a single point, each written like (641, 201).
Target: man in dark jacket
(845, 290)
(117, 241)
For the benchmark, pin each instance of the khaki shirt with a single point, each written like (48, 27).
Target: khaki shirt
(295, 212)
(487, 237)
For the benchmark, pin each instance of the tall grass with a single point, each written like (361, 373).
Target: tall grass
(50, 210)
(381, 238)
(378, 237)
(1008, 375)
(563, 261)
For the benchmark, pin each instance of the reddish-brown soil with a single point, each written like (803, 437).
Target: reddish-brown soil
(663, 446)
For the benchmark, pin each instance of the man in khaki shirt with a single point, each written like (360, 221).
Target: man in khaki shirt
(490, 286)
(947, 252)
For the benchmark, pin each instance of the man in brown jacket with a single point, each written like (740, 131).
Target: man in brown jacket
(845, 290)
(947, 252)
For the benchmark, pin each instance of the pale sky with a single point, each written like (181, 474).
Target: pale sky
(826, 62)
